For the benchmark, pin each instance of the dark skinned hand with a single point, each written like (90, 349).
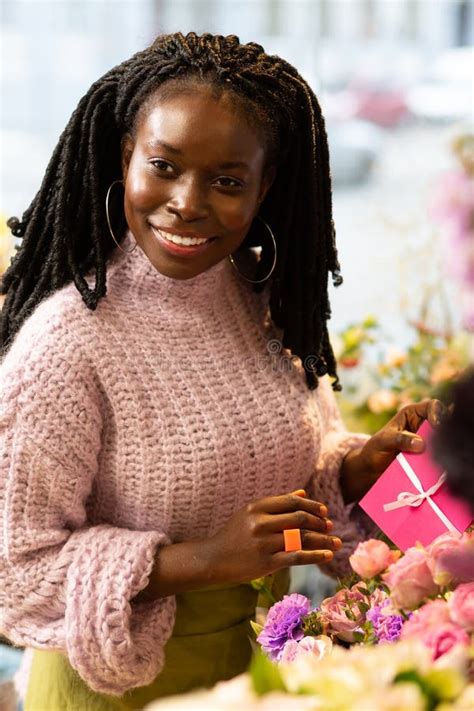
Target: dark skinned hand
(362, 467)
(251, 544)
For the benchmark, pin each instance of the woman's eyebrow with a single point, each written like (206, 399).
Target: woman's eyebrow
(226, 165)
(161, 144)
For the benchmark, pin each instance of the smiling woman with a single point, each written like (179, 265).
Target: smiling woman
(149, 434)
(273, 112)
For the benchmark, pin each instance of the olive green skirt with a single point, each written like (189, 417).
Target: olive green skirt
(210, 643)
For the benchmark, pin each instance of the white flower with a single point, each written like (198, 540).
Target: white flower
(381, 401)
(399, 697)
(395, 358)
(465, 701)
(234, 695)
(319, 647)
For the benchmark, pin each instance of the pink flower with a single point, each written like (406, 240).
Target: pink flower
(410, 580)
(432, 624)
(461, 606)
(444, 637)
(333, 613)
(378, 597)
(443, 547)
(318, 647)
(372, 557)
(431, 615)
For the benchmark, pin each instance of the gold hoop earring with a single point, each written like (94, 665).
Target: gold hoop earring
(258, 281)
(127, 251)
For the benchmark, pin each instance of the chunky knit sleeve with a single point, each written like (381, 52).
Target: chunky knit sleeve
(67, 584)
(351, 524)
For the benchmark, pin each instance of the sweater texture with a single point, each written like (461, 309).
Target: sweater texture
(148, 421)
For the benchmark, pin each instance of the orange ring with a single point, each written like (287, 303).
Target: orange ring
(292, 538)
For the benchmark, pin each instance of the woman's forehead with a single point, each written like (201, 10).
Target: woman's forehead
(192, 119)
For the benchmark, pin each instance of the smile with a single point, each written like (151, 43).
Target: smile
(179, 243)
(179, 239)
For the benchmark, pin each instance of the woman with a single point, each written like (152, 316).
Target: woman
(150, 439)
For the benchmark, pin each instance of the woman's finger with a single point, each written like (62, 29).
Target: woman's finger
(436, 412)
(309, 541)
(316, 541)
(288, 503)
(299, 519)
(411, 416)
(392, 440)
(284, 560)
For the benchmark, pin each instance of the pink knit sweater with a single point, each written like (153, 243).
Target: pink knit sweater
(146, 422)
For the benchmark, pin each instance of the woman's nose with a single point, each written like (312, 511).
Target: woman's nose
(188, 200)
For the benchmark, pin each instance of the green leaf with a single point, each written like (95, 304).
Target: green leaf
(363, 607)
(370, 321)
(349, 614)
(363, 590)
(445, 684)
(409, 675)
(266, 597)
(256, 627)
(414, 677)
(311, 624)
(265, 675)
(358, 636)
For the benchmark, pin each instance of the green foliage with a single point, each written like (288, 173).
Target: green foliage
(412, 676)
(312, 625)
(436, 685)
(386, 380)
(266, 599)
(445, 684)
(256, 627)
(265, 675)
(354, 338)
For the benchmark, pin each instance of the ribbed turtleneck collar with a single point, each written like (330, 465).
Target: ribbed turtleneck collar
(137, 272)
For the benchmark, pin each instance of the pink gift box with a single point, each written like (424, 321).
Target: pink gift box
(408, 524)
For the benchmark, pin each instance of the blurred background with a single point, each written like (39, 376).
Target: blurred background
(395, 82)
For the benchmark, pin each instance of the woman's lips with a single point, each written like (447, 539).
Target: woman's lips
(181, 250)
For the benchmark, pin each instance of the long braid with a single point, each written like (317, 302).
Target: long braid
(64, 233)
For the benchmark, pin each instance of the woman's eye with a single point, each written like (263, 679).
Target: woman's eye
(162, 166)
(225, 182)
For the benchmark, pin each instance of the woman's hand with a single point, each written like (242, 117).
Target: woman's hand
(362, 467)
(251, 544)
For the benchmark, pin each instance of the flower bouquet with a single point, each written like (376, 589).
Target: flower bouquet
(409, 616)
(396, 636)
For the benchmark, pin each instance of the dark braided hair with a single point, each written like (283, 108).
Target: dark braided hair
(64, 231)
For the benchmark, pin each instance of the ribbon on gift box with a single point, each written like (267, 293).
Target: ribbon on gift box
(407, 498)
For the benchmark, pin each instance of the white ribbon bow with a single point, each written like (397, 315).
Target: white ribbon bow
(406, 498)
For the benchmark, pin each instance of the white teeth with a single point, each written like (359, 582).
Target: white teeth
(178, 239)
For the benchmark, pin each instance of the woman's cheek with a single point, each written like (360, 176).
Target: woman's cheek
(141, 193)
(236, 215)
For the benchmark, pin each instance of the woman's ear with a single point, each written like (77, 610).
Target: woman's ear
(126, 146)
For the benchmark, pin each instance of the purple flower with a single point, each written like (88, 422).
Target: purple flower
(387, 626)
(284, 622)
